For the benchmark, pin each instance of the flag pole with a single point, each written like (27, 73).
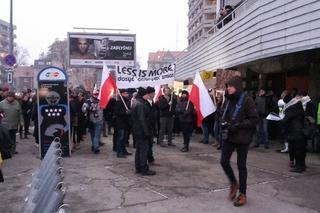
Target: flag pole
(187, 105)
(214, 97)
(171, 101)
(124, 103)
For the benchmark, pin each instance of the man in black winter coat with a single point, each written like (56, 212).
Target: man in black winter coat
(185, 111)
(238, 124)
(167, 104)
(26, 107)
(293, 123)
(150, 95)
(122, 113)
(141, 116)
(265, 104)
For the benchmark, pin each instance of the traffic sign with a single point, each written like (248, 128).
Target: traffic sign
(9, 78)
(9, 69)
(10, 60)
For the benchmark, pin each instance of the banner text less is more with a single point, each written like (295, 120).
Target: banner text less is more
(132, 77)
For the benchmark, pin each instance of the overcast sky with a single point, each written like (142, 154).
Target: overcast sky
(158, 24)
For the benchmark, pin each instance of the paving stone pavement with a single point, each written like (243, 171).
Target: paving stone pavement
(185, 182)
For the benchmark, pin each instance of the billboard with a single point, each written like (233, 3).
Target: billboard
(91, 50)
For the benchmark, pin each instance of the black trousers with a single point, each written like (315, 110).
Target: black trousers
(114, 139)
(298, 152)
(141, 157)
(1, 176)
(242, 152)
(187, 128)
(12, 133)
(26, 119)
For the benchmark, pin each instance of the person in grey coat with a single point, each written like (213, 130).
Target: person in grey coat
(12, 117)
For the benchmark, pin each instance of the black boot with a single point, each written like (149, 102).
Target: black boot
(185, 148)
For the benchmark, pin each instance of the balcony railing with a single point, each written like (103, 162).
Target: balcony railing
(242, 8)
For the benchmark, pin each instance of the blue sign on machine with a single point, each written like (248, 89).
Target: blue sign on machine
(10, 60)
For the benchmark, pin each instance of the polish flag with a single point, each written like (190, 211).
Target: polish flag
(107, 88)
(201, 99)
(158, 93)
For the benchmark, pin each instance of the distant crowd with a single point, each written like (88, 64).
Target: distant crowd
(240, 118)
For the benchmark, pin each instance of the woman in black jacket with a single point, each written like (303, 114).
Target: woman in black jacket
(293, 128)
(185, 112)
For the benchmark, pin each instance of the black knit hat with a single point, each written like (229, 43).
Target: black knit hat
(236, 82)
(185, 92)
(123, 90)
(150, 90)
(141, 92)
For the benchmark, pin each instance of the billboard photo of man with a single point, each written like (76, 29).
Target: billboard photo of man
(82, 48)
(92, 49)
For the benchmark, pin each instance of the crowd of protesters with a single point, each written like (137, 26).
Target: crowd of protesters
(136, 114)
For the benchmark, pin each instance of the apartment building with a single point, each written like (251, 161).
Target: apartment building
(202, 16)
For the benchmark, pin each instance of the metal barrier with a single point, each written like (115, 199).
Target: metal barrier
(47, 189)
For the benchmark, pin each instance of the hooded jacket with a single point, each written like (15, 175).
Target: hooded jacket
(293, 120)
(243, 127)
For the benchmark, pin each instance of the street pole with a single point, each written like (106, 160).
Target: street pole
(11, 30)
(10, 76)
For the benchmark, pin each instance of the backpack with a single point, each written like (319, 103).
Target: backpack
(309, 127)
(5, 143)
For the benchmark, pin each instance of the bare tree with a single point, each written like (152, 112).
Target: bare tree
(22, 56)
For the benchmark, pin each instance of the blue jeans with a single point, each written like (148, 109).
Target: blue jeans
(205, 132)
(95, 134)
(262, 132)
(122, 136)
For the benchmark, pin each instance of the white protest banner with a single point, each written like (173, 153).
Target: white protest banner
(132, 77)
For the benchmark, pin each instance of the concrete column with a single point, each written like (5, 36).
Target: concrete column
(262, 80)
(218, 6)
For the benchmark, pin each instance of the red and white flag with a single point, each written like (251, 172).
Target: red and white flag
(107, 88)
(201, 99)
(158, 93)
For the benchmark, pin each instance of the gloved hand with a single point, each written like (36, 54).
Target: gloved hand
(128, 112)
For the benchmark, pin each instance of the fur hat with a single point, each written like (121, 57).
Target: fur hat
(236, 82)
(185, 92)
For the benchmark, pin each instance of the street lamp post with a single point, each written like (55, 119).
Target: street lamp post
(11, 30)
(10, 74)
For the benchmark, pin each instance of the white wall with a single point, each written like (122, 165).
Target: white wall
(266, 28)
